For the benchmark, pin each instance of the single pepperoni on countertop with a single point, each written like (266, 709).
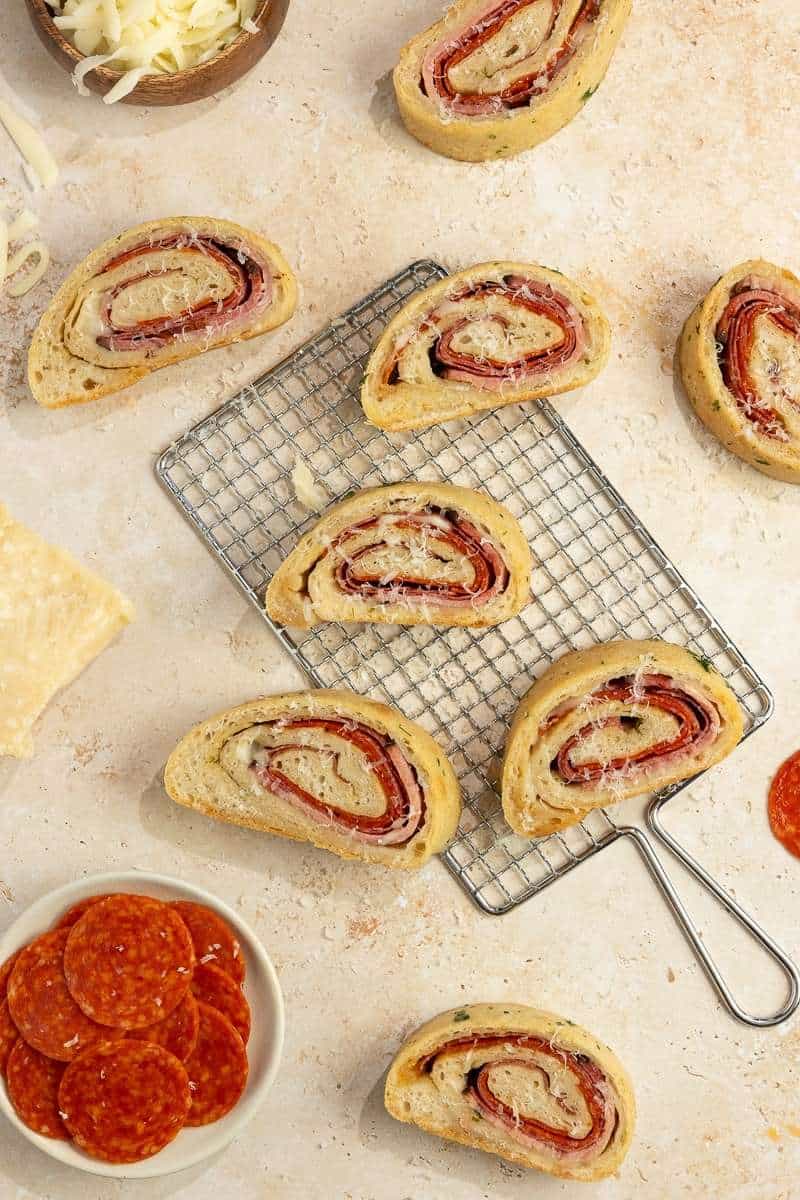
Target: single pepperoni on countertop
(214, 940)
(32, 1081)
(178, 1032)
(74, 914)
(214, 986)
(784, 804)
(217, 1068)
(5, 970)
(9, 1034)
(128, 961)
(40, 1004)
(124, 1101)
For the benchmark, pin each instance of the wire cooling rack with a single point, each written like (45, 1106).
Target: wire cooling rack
(599, 575)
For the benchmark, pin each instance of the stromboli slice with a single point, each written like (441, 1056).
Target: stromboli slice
(154, 295)
(617, 720)
(739, 356)
(495, 77)
(328, 767)
(498, 333)
(407, 554)
(526, 1085)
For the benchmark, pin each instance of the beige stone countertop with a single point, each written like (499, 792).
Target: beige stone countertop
(683, 164)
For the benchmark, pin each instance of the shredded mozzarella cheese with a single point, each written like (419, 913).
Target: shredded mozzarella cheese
(21, 287)
(149, 37)
(311, 494)
(31, 146)
(24, 223)
(21, 225)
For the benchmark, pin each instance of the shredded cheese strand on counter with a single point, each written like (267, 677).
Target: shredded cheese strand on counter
(311, 494)
(30, 144)
(21, 286)
(149, 37)
(22, 224)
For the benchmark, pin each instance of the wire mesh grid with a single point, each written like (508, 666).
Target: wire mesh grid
(598, 574)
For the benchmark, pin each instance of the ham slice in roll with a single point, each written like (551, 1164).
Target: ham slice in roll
(526, 1085)
(739, 357)
(498, 333)
(495, 77)
(407, 554)
(327, 767)
(154, 295)
(618, 720)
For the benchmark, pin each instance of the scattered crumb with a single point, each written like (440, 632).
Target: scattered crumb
(363, 928)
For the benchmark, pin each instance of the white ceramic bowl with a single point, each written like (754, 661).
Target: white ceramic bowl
(261, 987)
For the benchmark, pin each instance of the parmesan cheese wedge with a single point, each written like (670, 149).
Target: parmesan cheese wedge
(55, 618)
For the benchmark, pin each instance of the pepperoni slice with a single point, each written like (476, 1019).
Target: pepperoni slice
(40, 1004)
(124, 1101)
(177, 1032)
(74, 914)
(217, 1068)
(214, 986)
(214, 940)
(784, 804)
(32, 1081)
(128, 961)
(5, 970)
(9, 1034)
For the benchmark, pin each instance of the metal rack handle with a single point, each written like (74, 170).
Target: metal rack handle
(689, 928)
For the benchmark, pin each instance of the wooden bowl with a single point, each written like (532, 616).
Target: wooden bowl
(181, 87)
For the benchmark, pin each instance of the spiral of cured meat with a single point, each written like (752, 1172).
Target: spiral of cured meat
(316, 745)
(346, 774)
(156, 294)
(517, 1082)
(739, 356)
(619, 720)
(498, 333)
(407, 554)
(494, 77)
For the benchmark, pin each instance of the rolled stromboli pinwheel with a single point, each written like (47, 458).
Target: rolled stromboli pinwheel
(328, 767)
(154, 295)
(739, 356)
(407, 554)
(495, 77)
(526, 1085)
(618, 720)
(498, 333)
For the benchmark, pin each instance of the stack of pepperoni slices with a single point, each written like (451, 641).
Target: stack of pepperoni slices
(124, 1023)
